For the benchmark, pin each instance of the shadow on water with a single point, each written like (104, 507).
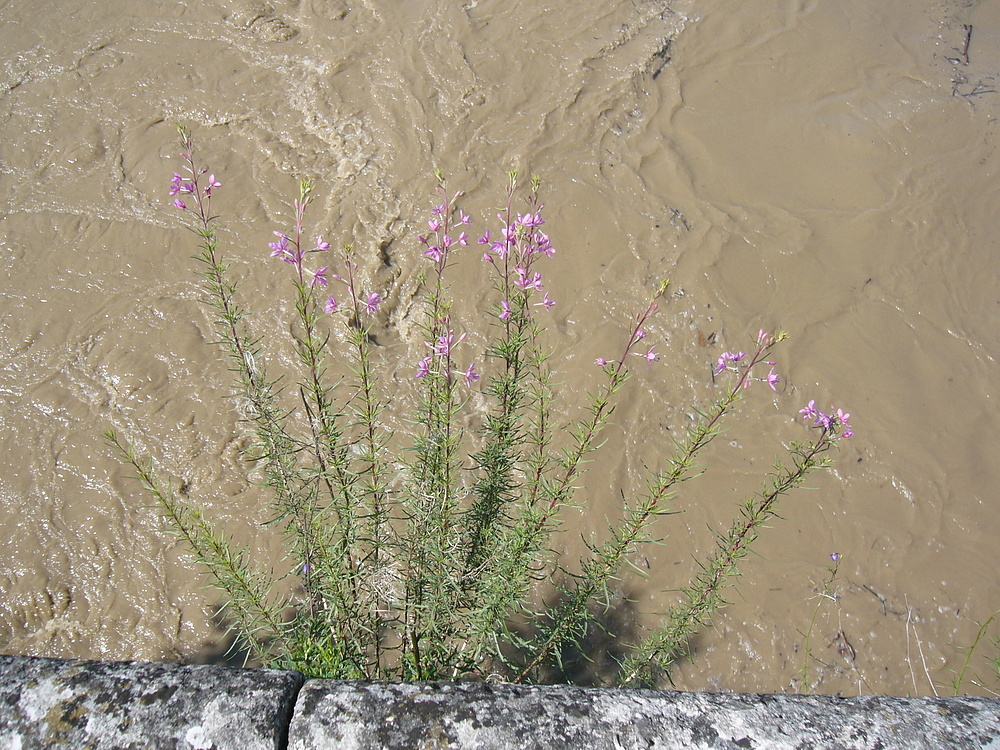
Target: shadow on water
(590, 660)
(594, 657)
(228, 650)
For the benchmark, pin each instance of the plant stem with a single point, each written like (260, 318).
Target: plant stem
(704, 595)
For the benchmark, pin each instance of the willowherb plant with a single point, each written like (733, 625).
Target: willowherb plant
(422, 573)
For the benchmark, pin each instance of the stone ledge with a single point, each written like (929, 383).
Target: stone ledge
(104, 705)
(505, 717)
(51, 703)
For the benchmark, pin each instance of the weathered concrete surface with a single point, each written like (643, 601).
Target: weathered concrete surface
(356, 716)
(51, 703)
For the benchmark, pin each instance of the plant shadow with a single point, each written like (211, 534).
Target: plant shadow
(594, 657)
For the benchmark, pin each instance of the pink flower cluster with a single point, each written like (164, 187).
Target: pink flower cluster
(289, 248)
(439, 243)
(729, 361)
(189, 186)
(441, 353)
(638, 334)
(829, 422)
(513, 254)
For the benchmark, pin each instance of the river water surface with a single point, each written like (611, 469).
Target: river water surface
(826, 168)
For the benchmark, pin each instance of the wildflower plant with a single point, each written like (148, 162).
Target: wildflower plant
(431, 571)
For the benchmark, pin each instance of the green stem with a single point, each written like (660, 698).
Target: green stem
(704, 595)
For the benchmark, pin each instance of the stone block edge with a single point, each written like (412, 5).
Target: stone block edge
(80, 703)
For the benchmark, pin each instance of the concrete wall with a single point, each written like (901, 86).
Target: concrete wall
(77, 704)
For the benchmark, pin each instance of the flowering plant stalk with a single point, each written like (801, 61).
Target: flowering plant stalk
(704, 595)
(414, 559)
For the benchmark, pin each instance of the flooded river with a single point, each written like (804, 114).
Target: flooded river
(826, 168)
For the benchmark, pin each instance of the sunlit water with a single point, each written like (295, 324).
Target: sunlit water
(829, 169)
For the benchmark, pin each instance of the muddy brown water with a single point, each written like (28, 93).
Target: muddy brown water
(825, 168)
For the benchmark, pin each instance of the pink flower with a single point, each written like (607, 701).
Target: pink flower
(535, 282)
(650, 356)
(180, 204)
(212, 183)
(321, 244)
(177, 185)
(279, 249)
(841, 419)
(546, 302)
(471, 376)
(372, 303)
(504, 310)
(545, 245)
(838, 418)
(445, 342)
(424, 366)
(331, 305)
(772, 380)
(434, 224)
(531, 219)
(319, 277)
(726, 359)
(600, 362)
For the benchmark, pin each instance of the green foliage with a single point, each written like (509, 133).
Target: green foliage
(433, 571)
(959, 678)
